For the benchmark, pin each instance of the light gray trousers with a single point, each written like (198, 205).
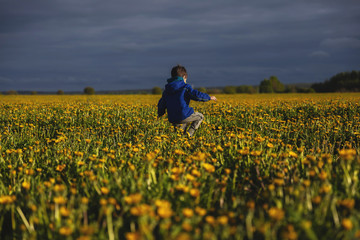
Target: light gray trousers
(195, 119)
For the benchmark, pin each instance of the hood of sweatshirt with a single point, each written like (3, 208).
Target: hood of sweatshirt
(174, 84)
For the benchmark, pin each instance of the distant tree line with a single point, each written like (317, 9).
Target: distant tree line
(271, 85)
(89, 91)
(341, 82)
(14, 92)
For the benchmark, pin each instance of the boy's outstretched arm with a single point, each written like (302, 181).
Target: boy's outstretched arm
(197, 95)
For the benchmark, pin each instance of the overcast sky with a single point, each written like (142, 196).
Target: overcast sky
(117, 45)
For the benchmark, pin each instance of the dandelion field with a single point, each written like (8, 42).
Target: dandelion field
(105, 167)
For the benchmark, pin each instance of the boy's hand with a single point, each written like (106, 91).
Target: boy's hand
(213, 98)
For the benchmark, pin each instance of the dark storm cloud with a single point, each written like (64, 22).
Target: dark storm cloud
(50, 45)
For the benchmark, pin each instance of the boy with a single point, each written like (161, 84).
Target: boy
(176, 99)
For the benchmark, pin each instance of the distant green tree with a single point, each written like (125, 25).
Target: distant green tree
(241, 89)
(265, 86)
(310, 90)
(276, 85)
(245, 89)
(60, 92)
(202, 89)
(290, 89)
(12, 92)
(33, 93)
(89, 91)
(229, 90)
(156, 91)
(214, 91)
(341, 82)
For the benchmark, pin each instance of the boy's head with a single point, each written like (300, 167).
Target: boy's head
(179, 71)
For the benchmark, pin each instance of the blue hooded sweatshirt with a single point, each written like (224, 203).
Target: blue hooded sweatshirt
(176, 99)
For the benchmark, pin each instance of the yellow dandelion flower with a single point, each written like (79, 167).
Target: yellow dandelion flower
(60, 200)
(60, 167)
(210, 219)
(133, 236)
(208, 167)
(322, 175)
(133, 198)
(164, 212)
(279, 181)
(196, 173)
(250, 204)
(190, 177)
(186, 226)
(223, 220)
(64, 211)
(136, 211)
(26, 185)
(307, 182)
(200, 211)
(316, 199)
(347, 154)
(104, 190)
(183, 236)
(84, 200)
(292, 154)
(150, 156)
(325, 189)
(162, 203)
(112, 201)
(176, 170)
(66, 231)
(347, 203)
(194, 192)
(187, 212)
(347, 224)
(81, 163)
(276, 213)
(182, 188)
(103, 202)
(135, 149)
(7, 199)
(59, 187)
(269, 145)
(132, 167)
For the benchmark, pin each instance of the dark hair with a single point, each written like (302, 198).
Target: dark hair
(178, 71)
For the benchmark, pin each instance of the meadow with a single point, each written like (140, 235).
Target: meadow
(265, 166)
